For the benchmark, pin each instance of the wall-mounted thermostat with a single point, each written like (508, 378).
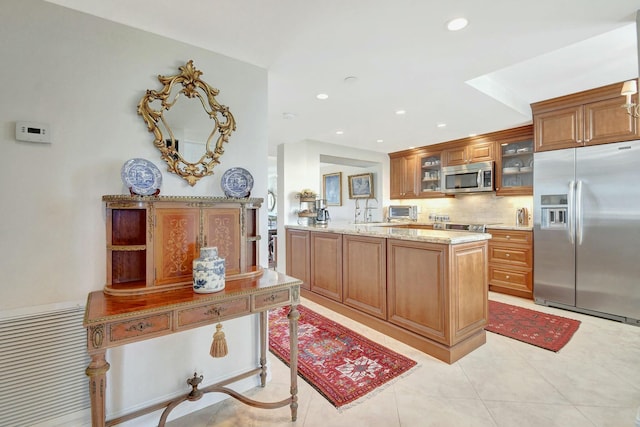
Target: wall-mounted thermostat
(33, 132)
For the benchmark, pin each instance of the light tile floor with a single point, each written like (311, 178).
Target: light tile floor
(593, 381)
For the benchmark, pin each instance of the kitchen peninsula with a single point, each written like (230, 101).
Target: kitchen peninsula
(426, 288)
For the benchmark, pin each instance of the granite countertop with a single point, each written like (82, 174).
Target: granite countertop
(510, 227)
(387, 230)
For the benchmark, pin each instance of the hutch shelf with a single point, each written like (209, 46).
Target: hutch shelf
(153, 240)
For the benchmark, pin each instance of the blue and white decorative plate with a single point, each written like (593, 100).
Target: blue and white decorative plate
(237, 182)
(141, 176)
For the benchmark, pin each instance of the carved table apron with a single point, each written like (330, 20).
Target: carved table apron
(112, 321)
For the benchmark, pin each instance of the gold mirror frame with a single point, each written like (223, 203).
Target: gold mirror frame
(192, 87)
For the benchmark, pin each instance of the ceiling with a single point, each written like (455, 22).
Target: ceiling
(476, 80)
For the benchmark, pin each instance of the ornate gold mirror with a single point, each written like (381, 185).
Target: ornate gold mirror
(181, 133)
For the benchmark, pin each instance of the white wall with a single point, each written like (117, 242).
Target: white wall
(84, 77)
(346, 212)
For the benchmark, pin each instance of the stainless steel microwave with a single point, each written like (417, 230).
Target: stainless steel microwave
(469, 178)
(403, 212)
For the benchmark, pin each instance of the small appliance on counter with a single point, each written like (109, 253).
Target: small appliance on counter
(402, 212)
(522, 217)
(322, 217)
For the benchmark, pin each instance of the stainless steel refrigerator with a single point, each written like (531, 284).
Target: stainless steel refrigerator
(587, 230)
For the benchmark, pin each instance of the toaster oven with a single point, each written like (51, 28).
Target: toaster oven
(402, 212)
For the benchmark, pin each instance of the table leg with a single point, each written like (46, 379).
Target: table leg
(263, 347)
(96, 371)
(293, 316)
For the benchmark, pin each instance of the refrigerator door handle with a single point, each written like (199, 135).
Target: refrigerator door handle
(579, 211)
(571, 212)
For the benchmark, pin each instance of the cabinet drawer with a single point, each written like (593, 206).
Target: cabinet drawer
(516, 256)
(515, 279)
(511, 236)
(212, 312)
(151, 325)
(271, 299)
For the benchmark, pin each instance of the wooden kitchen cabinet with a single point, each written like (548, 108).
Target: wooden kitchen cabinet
(514, 162)
(469, 153)
(364, 277)
(437, 291)
(511, 262)
(403, 170)
(590, 117)
(326, 265)
(299, 256)
(429, 168)
(152, 241)
(431, 296)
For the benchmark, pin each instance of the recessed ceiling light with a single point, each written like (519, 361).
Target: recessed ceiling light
(339, 132)
(441, 125)
(288, 116)
(322, 96)
(401, 112)
(350, 79)
(457, 24)
(379, 141)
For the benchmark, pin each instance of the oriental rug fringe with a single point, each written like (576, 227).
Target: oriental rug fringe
(530, 326)
(339, 363)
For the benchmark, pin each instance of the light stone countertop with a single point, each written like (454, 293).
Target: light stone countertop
(387, 230)
(511, 227)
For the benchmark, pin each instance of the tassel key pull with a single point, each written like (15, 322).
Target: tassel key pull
(219, 344)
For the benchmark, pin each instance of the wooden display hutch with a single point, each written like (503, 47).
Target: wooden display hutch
(152, 241)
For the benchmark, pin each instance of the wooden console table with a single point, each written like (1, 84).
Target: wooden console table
(112, 321)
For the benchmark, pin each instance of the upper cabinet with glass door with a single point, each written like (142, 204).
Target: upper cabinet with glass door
(429, 169)
(515, 170)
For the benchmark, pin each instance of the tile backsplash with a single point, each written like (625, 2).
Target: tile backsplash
(475, 208)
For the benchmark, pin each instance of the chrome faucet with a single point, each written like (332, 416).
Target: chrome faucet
(357, 212)
(367, 210)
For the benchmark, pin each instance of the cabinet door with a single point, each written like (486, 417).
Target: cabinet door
(606, 121)
(480, 152)
(514, 168)
(557, 129)
(455, 156)
(365, 274)
(429, 166)
(403, 172)
(326, 265)
(298, 256)
(475, 152)
(175, 244)
(417, 288)
(221, 228)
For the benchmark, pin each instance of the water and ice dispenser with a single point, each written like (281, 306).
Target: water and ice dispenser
(554, 211)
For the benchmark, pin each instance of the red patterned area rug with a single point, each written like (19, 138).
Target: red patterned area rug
(338, 362)
(533, 327)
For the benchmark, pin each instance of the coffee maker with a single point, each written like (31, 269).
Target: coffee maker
(322, 214)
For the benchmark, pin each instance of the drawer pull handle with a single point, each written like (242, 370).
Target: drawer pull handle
(140, 326)
(507, 237)
(507, 255)
(215, 310)
(507, 276)
(270, 298)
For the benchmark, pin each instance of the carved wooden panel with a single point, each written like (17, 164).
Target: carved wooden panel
(176, 244)
(222, 230)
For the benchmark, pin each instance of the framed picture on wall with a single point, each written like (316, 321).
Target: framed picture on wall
(332, 188)
(361, 186)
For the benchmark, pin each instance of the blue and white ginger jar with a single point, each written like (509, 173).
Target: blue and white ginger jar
(208, 271)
